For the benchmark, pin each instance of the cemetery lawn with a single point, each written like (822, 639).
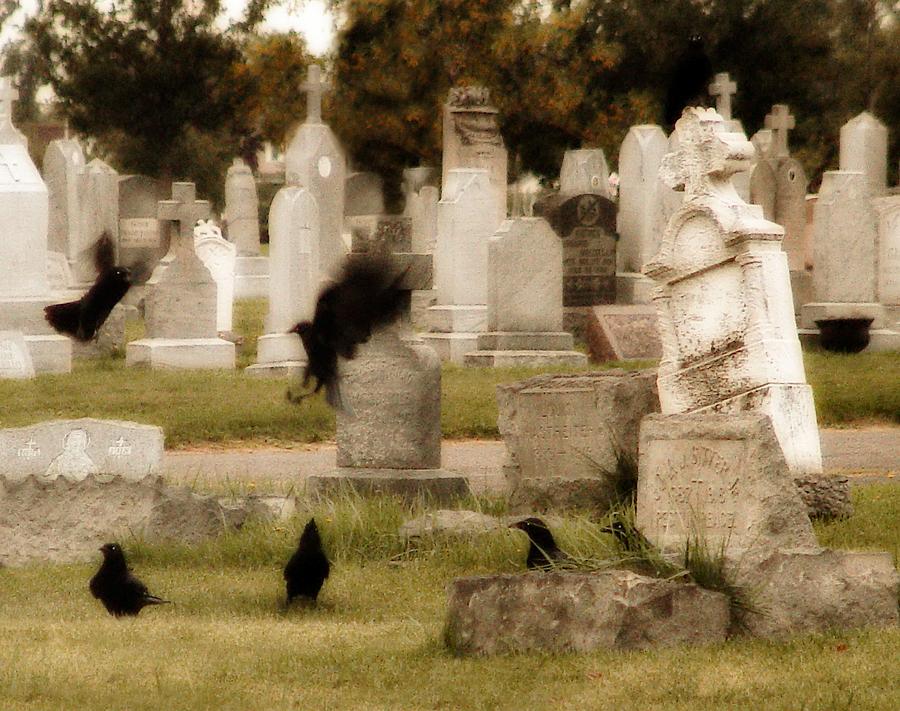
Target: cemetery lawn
(375, 641)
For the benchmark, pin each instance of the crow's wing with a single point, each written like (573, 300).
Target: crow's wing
(104, 253)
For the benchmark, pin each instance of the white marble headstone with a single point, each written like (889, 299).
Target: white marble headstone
(864, 147)
(242, 208)
(584, 172)
(15, 359)
(219, 255)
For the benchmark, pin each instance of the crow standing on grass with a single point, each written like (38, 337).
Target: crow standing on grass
(689, 82)
(82, 319)
(307, 569)
(543, 552)
(367, 296)
(120, 592)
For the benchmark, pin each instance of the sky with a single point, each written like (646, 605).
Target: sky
(308, 17)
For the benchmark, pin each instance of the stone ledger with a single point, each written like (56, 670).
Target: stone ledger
(622, 332)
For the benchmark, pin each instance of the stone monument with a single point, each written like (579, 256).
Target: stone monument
(220, 257)
(251, 269)
(584, 172)
(864, 148)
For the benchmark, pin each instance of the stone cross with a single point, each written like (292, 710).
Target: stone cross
(706, 157)
(184, 209)
(780, 122)
(723, 89)
(314, 86)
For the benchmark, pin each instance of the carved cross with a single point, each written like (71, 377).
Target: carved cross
(723, 89)
(707, 156)
(314, 87)
(184, 209)
(780, 122)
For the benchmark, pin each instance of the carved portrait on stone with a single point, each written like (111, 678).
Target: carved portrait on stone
(73, 463)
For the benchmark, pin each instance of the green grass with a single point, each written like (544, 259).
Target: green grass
(201, 407)
(374, 642)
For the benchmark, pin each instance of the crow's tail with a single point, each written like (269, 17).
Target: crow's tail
(153, 600)
(64, 318)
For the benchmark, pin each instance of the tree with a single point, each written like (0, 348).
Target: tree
(155, 82)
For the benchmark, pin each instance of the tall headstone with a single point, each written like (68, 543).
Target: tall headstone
(584, 172)
(63, 165)
(525, 299)
(466, 221)
(864, 148)
(315, 161)
(294, 281)
(421, 207)
(723, 297)
(24, 287)
(640, 157)
(472, 140)
(141, 240)
(219, 256)
(242, 208)
(181, 309)
(99, 214)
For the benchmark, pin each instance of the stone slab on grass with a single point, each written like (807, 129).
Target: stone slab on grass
(622, 332)
(579, 612)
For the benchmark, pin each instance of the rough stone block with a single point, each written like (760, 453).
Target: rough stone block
(579, 612)
(622, 333)
(194, 353)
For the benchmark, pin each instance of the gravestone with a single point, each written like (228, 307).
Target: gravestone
(887, 210)
(219, 256)
(622, 332)
(62, 168)
(181, 308)
(723, 297)
(723, 89)
(15, 360)
(24, 288)
(565, 435)
(587, 226)
(242, 209)
(315, 161)
(864, 148)
(584, 172)
(294, 282)
(525, 299)
(364, 194)
(141, 239)
(640, 156)
(422, 209)
(472, 140)
(98, 197)
(466, 221)
(380, 233)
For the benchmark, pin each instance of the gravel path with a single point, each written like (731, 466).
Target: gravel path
(871, 454)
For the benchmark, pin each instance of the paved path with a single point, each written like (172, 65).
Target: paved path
(871, 454)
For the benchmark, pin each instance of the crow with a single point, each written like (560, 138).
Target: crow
(367, 296)
(543, 552)
(83, 318)
(689, 82)
(308, 567)
(120, 592)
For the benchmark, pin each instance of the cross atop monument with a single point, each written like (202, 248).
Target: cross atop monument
(185, 209)
(723, 89)
(314, 86)
(780, 122)
(8, 94)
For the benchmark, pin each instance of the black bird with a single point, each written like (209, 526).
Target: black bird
(543, 552)
(114, 585)
(689, 82)
(628, 537)
(307, 569)
(367, 296)
(83, 318)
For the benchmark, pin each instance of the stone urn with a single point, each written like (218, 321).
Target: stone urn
(844, 335)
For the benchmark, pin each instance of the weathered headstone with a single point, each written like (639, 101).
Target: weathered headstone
(181, 309)
(141, 240)
(62, 168)
(364, 194)
(567, 435)
(472, 140)
(219, 256)
(525, 299)
(864, 148)
(315, 161)
(888, 283)
(723, 297)
(587, 226)
(24, 288)
(15, 360)
(380, 233)
(584, 172)
(242, 209)
(622, 332)
(640, 156)
(466, 221)
(294, 281)
(98, 197)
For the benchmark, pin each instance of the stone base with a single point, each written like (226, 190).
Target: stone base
(580, 612)
(798, 592)
(195, 353)
(633, 288)
(26, 315)
(525, 341)
(530, 359)
(880, 341)
(458, 319)
(436, 485)
(50, 354)
(575, 320)
(283, 369)
(251, 278)
(452, 347)
(421, 301)
(595, 493)
(280, 348)
(810, 313)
